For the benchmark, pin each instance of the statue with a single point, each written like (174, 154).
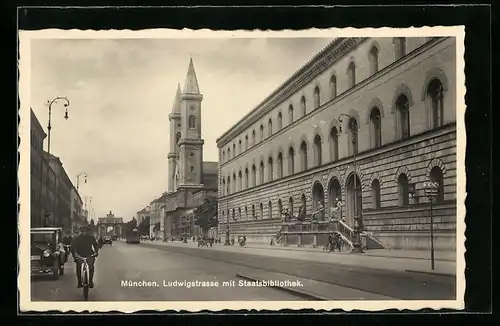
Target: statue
(302, 214)
(285, 216)
(336, 211)
(318, 215)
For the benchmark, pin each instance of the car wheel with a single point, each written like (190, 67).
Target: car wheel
(55, 272)
(61, 270)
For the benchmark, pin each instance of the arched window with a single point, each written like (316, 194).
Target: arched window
(375, 194)
(334, 144)
(224, 187)
(403, 108)
(303, 155)
(246, 142)
(239, 213)
(400, 47)
(192, 122)
(353, 137)
(317, 97)
(228, 185)
(254, 176)
(240, 181)
(403, 194)
(253, 211)
(261, 211)
(234, 217)
(280, 165)
(280, 121)
(290, 114)
(351, 75)
(177, 137)
(246, 179)
(223, 155)
(333, 87)
(253, 137)
(373, 59)
(269, 210)
(318, 155)
(270, 169)
(436, 175)
(303, 108)
(290, 206)
(376, 128)
(261, 132)
(240, 149)
(291, 161)
(303, 202)
(246, 212)
(269, 127)
(235, 189)
(280, 207)
(229, 153)
(435, 103)
(261, 171)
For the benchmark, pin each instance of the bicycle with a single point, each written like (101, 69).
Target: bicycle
(85, 275)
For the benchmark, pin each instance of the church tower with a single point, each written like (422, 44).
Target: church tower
(175, 136)
(191, 143)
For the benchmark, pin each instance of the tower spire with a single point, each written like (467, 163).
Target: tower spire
(176, 107)
(191, 84)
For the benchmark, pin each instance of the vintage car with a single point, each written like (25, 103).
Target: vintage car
(107, 240)
(47, 252)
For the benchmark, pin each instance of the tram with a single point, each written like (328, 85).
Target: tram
(133, 236)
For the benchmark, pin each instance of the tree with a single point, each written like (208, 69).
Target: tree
(144, 226)
(206, 214)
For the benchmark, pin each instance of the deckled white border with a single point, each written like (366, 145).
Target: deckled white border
(24, 171)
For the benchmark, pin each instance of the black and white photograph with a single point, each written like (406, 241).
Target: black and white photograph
(191, 170)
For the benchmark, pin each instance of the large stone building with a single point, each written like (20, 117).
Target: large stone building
(190, 179)
(63, 186)
(43, 179)
(78, 217)
(293, 151)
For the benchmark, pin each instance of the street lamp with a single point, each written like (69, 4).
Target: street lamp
(49, 127)
(431, 191)
(352, 125)
(78, 179)
(227, 242)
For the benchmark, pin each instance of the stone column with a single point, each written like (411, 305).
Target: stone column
(315, 240)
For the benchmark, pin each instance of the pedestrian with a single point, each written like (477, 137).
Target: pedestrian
(338, 242)
(330, 243)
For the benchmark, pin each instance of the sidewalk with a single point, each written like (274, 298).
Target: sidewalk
(390, 253)
(375, 261)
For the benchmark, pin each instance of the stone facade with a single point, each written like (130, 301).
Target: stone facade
(293, 150)
(42, 179)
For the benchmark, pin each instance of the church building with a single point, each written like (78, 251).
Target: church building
(190, 179)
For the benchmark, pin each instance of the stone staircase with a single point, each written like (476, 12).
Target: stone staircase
(316, 234)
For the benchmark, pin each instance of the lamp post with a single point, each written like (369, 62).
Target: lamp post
(227, 242)
(353, 127)
(49, 103)
(431, 191)
(78, 179)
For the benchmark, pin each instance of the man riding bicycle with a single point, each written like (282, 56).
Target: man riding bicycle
(84, 245)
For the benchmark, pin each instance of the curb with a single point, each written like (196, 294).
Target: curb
(300, 293)
(430, 273)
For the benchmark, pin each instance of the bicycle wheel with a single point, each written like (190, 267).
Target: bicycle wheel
(85, 285)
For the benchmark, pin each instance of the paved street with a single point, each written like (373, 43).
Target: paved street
(122, 262)
(160, 262)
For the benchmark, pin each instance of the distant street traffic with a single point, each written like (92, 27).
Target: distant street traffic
(149, 271)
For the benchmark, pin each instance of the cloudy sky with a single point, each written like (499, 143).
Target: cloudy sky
(121, 92)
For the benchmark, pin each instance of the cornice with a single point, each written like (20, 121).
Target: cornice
(190, 96)
(174, 116)
(361, 158)
(317, 65)
(358, 87)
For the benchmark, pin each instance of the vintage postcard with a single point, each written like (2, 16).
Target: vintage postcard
(212, 170)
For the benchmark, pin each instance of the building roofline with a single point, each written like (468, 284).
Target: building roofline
(313, 67)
